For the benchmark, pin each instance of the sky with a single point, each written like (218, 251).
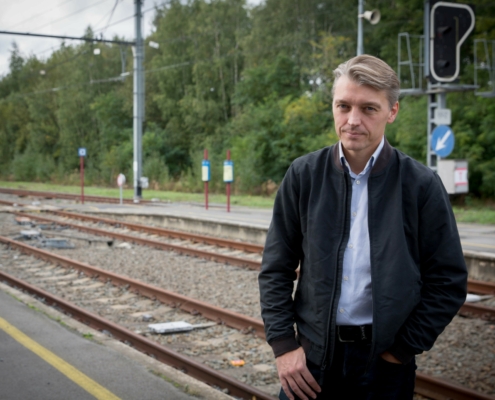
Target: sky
(67, 18)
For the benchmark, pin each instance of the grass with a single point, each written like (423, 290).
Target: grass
(474, 212)
(239, 200)
(478, 215)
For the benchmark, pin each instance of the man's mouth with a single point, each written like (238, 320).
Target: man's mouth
(353, 133)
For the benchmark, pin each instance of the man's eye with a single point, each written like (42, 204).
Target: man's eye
(370, 109)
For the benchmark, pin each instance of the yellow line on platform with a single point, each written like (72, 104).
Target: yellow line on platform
(486, 246)
(64, 367)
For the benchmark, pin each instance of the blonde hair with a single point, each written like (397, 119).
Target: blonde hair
(370, 71)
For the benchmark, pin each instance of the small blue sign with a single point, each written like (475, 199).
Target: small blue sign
(442, 140)
(81, 151)
(205, 171)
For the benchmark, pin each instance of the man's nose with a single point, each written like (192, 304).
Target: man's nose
(354, 117)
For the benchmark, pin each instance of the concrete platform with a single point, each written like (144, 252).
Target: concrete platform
(46, 355)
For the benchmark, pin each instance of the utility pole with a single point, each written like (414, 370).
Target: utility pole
(372, 16)
(360, 49)
(138, 113)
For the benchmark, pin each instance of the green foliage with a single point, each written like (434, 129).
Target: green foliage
(408, 132)
(279, 79)
(256, 80)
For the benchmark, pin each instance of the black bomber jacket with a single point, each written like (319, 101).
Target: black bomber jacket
(418, 272)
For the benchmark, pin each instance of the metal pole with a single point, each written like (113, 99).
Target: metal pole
(431, 104)
(431, 157)
(426, 34)
(138, 100)
(205, 156)
(82, 178)
(228, 186)
(360, 49)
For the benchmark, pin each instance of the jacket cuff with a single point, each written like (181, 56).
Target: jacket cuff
(284, 345)
(403, 352)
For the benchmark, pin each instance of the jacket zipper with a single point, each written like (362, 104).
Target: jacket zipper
(370, 357)
(326, 357)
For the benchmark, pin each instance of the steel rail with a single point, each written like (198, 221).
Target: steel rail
(440, 389)
(67, 196)
(217, 314)
(481, 287)
(483, 312)
(141, 343)
(425, 385)
(233, 244)
(224, 258)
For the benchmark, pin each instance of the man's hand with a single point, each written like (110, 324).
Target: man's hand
(390, 358)
(294, 375)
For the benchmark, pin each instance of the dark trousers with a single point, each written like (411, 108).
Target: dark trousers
(347, 379)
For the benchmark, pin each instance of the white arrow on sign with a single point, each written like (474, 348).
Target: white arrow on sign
(441, 142)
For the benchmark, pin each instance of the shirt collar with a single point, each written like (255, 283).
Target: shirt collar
(370, 162)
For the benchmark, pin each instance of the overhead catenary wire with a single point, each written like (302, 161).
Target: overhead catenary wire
(111, 14)
(70, 15)
(108, 26)
(38, 15)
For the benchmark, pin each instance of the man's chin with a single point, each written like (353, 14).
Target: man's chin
(352, 145)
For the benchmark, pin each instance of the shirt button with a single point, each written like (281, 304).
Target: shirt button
(346, 278)
(354, 214)
(358, 182)
(351, 246)
(341, 310)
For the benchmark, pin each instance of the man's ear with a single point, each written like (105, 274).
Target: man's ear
(393, 113)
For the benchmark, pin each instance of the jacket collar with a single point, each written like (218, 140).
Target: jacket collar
(379, 164)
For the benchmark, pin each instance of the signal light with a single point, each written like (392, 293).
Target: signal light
(450, 25)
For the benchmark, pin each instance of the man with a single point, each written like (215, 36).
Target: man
(381, 266)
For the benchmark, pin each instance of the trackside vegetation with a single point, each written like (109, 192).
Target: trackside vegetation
(256, 80)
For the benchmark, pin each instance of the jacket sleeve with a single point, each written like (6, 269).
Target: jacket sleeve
(443, 275)
(281, 258)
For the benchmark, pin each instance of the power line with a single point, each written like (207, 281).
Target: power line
(38, 15)
(102, 29)
(125, 19)
(86, 39)
(70, 15)
(111, 14)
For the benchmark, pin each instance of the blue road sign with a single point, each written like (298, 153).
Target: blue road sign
(442, 140)
(81, 152)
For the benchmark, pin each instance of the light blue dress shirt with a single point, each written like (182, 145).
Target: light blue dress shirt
(355, 303)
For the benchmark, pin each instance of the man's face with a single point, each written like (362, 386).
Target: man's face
(360, 114)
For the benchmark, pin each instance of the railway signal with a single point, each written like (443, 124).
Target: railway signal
(450, 25)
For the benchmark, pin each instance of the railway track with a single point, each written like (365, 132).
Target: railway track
(425, 385)
(211, 312)
(478, 287)
(232, 244)
(181, 249)
(68, 196)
